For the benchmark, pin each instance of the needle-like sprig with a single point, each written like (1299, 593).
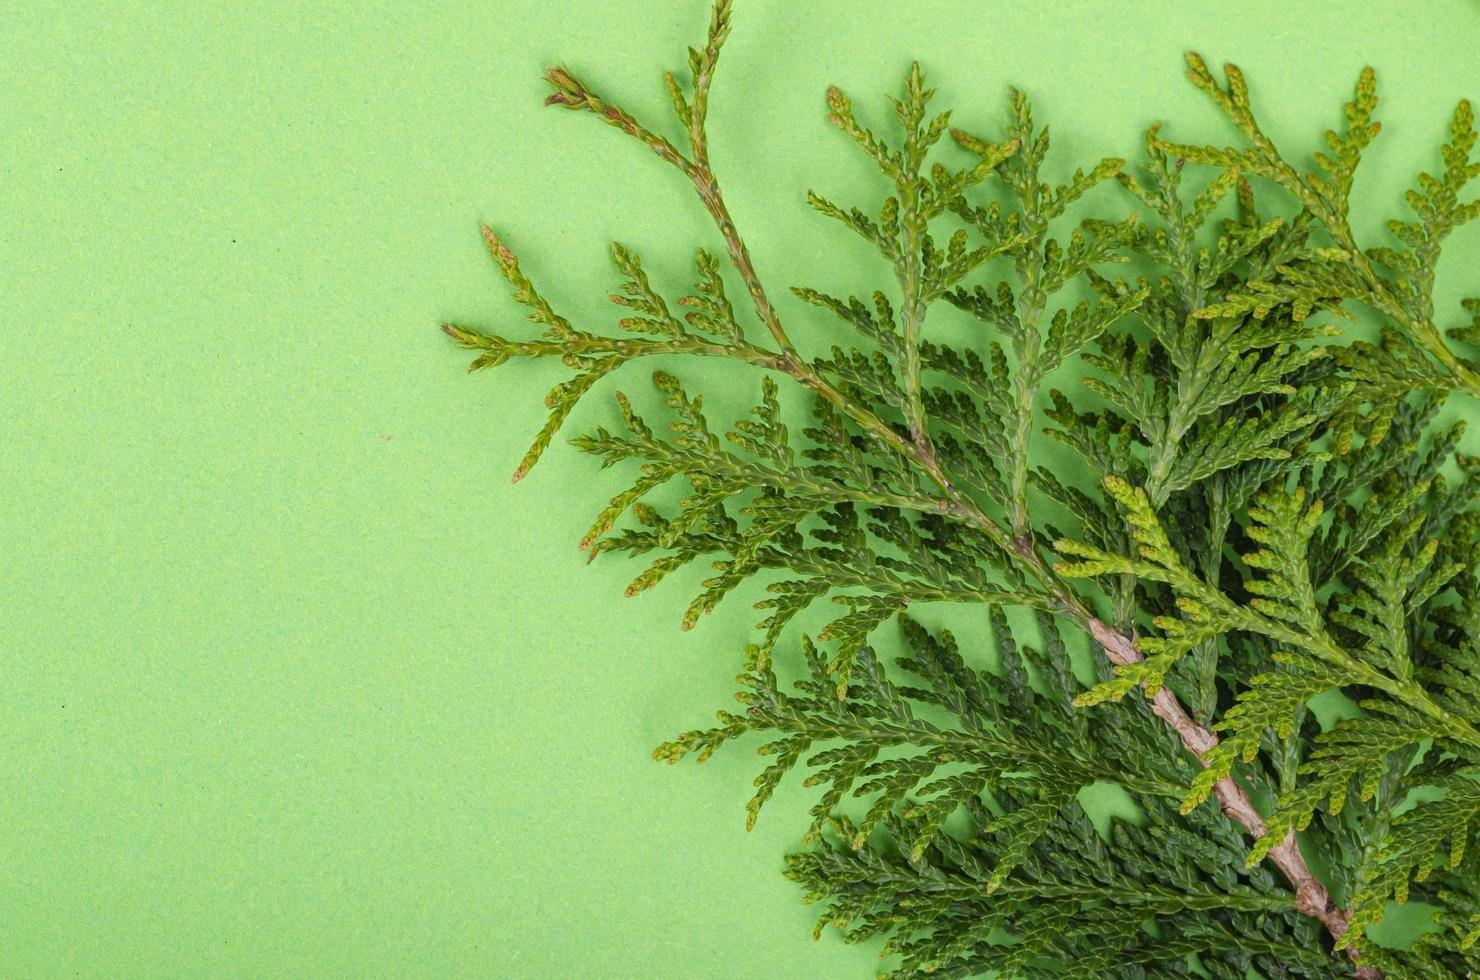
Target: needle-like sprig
(1258, 513)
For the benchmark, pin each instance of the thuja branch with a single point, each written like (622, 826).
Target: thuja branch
(1312, 896)
(917, 482)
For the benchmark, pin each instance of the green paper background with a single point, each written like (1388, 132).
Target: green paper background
(294, 682)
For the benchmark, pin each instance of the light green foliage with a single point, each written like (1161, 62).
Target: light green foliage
(1258, 512)
(1398, 283)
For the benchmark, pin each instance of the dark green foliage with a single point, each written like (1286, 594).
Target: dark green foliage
(1084, 906)
(1259, 512)
(1013, 759)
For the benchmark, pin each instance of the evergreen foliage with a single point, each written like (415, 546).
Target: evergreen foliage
(1260, 512)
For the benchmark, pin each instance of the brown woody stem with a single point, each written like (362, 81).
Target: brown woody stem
(1311, 897)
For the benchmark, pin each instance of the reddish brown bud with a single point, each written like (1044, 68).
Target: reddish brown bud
(837, 101)
(569, 91)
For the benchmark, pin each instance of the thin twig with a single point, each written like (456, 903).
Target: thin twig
(1311, 897)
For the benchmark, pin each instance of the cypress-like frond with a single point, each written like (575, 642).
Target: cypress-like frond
(1253, 512)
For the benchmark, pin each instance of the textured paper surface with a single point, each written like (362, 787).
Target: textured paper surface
(295, 684)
